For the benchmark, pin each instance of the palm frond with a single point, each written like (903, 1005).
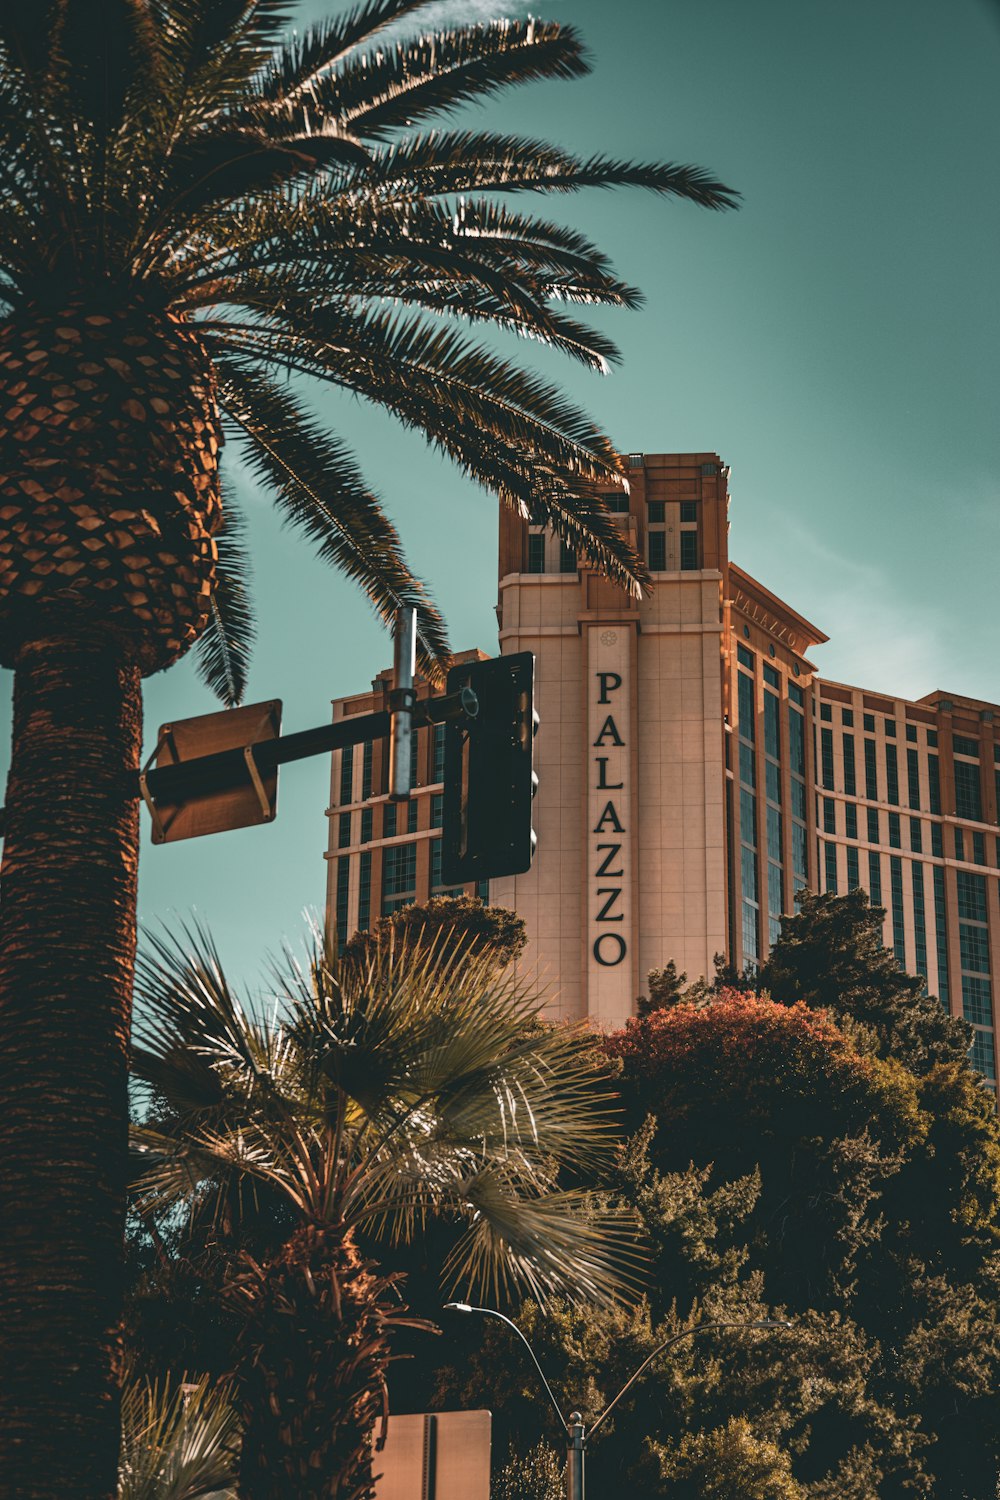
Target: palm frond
(433, 75)
(469, 162)
(294, 70)
(410, 1086)
(322, 493)
(521, 1245)
(180, 1441)
(225, 649)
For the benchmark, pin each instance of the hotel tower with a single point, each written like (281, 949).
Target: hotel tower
(695, 771)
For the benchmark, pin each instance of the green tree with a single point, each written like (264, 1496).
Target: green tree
(830, 956)
(195, 210)
(370, 1102)
(447, 922)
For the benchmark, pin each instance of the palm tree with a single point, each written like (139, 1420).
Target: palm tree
(409, 1086)
(195, 213)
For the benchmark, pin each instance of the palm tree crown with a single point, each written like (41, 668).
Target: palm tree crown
(405, 1087)
(181, 171)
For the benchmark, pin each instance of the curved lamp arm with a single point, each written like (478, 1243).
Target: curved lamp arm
(490, 1312)
(676, 1339)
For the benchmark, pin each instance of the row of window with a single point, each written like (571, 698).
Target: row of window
(366, 787)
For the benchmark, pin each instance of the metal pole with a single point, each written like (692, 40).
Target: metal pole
(576, 1438)
(402, 700)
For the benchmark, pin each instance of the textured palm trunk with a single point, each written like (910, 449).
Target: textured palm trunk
(311, 1379)
(67, 948)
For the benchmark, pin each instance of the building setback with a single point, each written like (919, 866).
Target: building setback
(695, 772)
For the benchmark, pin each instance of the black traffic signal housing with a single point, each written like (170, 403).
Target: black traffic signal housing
(489, 780)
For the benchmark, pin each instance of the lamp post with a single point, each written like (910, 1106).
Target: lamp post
(574, 1430)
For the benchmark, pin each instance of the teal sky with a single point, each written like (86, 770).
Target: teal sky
(837, 341)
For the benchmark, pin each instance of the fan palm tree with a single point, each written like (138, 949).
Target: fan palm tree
(194, 213)
(409, 1086)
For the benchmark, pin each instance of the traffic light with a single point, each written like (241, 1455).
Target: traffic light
(489, 781)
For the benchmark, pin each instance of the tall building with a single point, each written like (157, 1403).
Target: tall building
(695, 772)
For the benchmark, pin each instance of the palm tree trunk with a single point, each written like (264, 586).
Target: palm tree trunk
(67, 951)
(311, 1378)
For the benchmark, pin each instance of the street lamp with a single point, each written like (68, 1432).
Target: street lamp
(576, 1433)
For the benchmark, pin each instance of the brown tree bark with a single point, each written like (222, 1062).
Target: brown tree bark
(67, 950)
(310, 1381)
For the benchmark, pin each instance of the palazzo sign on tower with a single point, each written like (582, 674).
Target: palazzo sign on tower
(609, 822)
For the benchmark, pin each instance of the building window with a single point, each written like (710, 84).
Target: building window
(941, 934)
(437, 766)
(977, 1000)
(657, 544)
(853, 877)
(868, 723)
(399, 876)
(795, 692)
(911, 733)
(746, 658)
(830, 859)
(747, 725)
(932, 738)
(689, 551)
(616, 503)
(974, 947)
(347, 775)
(772, 726)
(655, 511)
(536, 552)
(829, 815)
(891, 775)
(411, 815)
(847, 717)
(971, 896)
(826, 745)
(796, 741)
(913, 777)
(982, 1054)
(689, 510)
(959, 844)
(978, 849)
(367, 759)
(344, 831)
(342, 898)
(437, 810)
(937, 842)
(968, 802)
(895, 838)
(873, 829)
(964, 746)
(875, 877)
(771, 677)
(890, 728)
(366, 825)
(916, 840)
(871, 772)
(934, 783)
(826, 713)
(567, 558)
(850, 770)
(898, 931)
(851, 820)
(365, 891)
(389, 815)
(919, 919)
